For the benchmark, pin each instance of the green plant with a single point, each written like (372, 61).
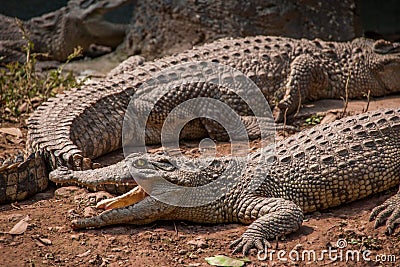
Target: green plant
(313, 120)
(20, 83)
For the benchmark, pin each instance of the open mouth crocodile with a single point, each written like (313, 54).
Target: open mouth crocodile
(73, 128)
(315, 169)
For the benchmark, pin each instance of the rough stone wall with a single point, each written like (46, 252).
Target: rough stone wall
(164, 27)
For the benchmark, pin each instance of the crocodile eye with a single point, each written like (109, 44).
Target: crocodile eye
(140, 163)
(165, 166)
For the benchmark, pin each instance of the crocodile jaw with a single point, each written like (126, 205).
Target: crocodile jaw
(133, 196)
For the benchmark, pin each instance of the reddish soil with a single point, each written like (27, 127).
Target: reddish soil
(50, 241)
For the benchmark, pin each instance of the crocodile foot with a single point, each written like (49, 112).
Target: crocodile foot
(247, 242)
(389, 211)
(133, 196)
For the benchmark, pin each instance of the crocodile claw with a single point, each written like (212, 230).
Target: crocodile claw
(247, 242)
(389, 211)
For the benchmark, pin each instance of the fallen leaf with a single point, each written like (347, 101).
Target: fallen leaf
(224, 261)
(11, 131)
(20, 227)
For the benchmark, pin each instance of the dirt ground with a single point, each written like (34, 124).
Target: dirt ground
(50, 241)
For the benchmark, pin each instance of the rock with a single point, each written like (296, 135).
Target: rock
(193, 24)
(193, 256)
(317, 214)
(23, 107)
(75, 237)
(84, 254)
(89, 212)
(67, 191)
(198, 243)
(45, 241)
(182, 252)
(97, 196)
(39, 244)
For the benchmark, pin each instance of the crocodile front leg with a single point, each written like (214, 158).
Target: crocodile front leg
(270, 217)
(274, 217)
(389, 211)
(306, 77)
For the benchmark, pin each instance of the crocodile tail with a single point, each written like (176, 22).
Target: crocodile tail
(23, 179)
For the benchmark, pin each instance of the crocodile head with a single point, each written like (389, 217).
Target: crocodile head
(85, 9)
(388, 59)
(185, 182)
(161, 180)
(89, 15)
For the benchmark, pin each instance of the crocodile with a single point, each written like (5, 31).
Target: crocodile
(84, 123)
(316, 169)
(58, 33)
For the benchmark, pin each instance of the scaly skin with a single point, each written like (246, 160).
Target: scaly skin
(73, 128)
(58, 33)
(318, 168)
